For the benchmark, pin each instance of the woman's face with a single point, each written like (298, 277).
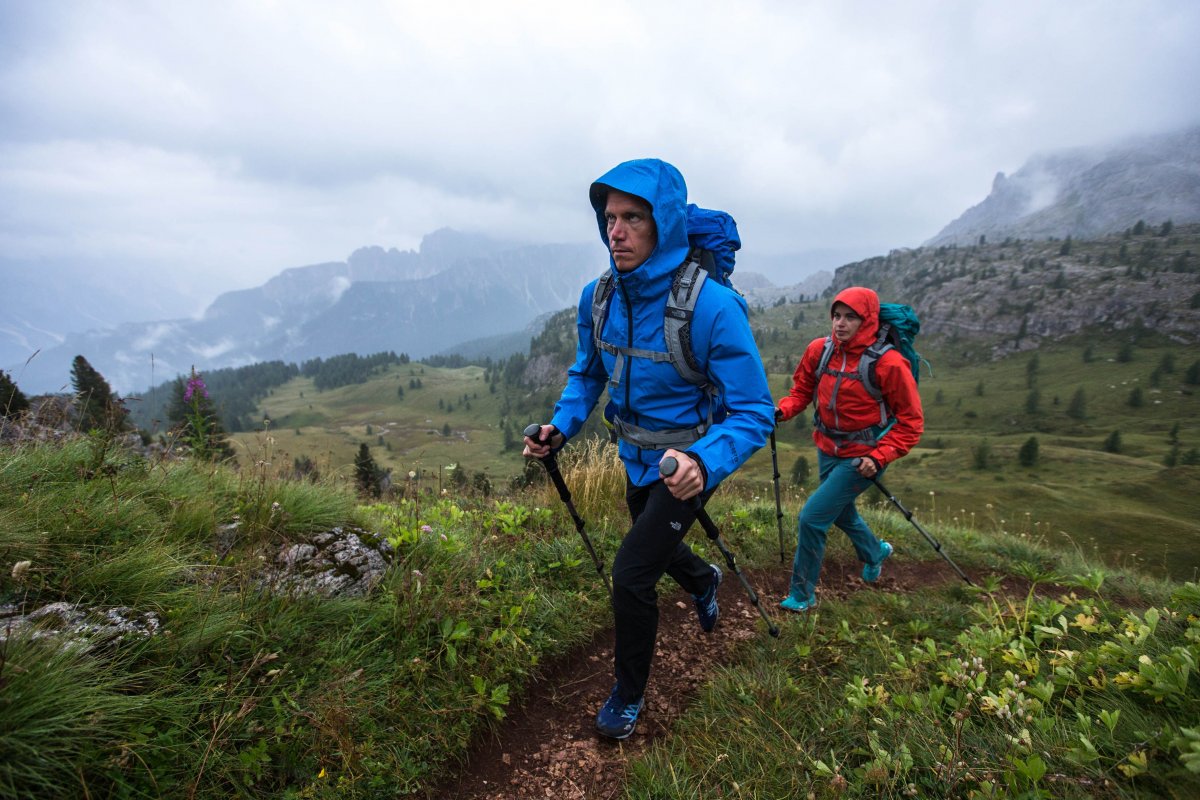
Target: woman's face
(845, 322)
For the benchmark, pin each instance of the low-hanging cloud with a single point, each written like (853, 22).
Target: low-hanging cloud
(235, 140)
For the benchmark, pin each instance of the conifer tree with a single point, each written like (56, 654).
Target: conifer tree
(1028, 454)
(367, 475)
(800, 471)
(12, 399)
(1078, 407)
(1033, 402)
(99, 408)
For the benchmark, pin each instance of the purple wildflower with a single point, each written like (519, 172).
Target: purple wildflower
(194, 384)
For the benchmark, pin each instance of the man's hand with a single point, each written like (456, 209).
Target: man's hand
(550, 439)
(688, 480)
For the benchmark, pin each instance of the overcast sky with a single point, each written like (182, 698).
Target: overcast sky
(235, 139)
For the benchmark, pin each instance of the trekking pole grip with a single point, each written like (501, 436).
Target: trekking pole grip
(533, 431)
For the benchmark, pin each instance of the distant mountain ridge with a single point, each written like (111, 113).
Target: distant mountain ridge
(1088, 192)
(456, 287)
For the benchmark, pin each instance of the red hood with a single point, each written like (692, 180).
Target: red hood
(865, 303)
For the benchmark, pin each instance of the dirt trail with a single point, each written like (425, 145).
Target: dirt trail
(547, 746)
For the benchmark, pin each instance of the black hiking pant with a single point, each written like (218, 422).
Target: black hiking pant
(653, 547)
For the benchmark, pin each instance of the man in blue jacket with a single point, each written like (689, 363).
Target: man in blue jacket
(641, 209)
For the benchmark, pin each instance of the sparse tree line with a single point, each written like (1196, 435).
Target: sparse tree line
(348, 369)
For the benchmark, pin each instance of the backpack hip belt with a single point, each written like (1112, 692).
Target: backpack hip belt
(658, 440)
(868, 436)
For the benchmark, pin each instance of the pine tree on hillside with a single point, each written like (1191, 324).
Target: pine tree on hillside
(193, 417)
(1078, 407)
(367, 475)
(12, 399)
(99, 407)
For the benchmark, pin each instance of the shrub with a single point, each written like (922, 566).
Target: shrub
(1028, 454)
(981, 454)
(800, 471)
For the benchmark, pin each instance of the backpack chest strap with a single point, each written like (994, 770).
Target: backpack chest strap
(621, 353)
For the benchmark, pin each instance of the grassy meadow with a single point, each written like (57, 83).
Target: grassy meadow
(1125, 507)
(1079, 683)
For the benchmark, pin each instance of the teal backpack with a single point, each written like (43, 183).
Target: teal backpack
(898, 328)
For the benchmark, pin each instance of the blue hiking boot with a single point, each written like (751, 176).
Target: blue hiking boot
(706, 604)
(871, 571)
(616, 719)
(796, 604)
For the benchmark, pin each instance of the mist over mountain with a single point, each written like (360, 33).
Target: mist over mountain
(1089, 192)
(470, 294)
(456, 287)
(44, 301)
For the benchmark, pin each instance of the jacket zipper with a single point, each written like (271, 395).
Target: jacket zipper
(629, 361)
(837, 421)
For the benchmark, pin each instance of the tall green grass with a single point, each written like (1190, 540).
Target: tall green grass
(249, 694)
(246, 693)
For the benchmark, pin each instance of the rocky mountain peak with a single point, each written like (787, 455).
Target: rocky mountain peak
(1088, 192)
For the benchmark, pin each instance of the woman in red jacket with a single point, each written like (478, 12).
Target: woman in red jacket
(856, 435)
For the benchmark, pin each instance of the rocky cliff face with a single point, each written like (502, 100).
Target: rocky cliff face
(1086, 193)
(1019, 293)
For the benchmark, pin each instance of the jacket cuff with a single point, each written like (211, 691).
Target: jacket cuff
(699, 463)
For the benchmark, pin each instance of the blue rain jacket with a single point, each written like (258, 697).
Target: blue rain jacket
(652, 395)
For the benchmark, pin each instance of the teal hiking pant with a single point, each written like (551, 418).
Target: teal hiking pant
(831, 504)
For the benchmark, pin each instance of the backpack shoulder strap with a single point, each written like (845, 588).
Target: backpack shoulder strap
(600, 298)
(826, 354)
(867, 368)
(677, 321)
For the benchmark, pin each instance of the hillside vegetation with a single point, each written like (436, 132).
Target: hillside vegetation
(1112, 412)
(1078, 682)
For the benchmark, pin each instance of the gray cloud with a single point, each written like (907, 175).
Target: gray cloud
(236, 139)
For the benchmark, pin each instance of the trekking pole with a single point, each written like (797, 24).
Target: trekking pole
(908, 516)
(551, 464)
(667, 468)
(778, 507)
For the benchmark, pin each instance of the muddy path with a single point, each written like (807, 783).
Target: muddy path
(547, 746)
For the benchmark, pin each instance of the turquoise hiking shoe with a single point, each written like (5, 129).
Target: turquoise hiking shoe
(793, 603)
(706, 604)
(616, 718)
(871, 571)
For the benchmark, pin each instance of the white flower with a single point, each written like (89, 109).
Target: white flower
(20, 568)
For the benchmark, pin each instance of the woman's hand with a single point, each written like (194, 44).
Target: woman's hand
(868, 467)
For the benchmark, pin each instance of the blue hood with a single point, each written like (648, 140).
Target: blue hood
(663, 187)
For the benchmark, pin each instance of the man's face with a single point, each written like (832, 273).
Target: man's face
(632, 234)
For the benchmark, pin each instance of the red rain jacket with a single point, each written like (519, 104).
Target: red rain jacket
(855, 408)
